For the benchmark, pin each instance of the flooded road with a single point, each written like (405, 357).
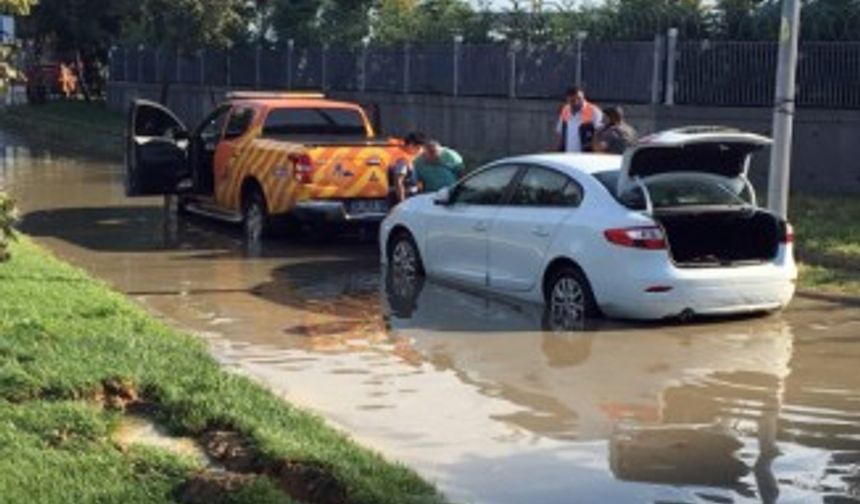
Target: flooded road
(479, 395)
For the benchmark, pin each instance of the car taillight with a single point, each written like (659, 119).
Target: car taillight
(302, 167)
(650, 238)
(787, 233)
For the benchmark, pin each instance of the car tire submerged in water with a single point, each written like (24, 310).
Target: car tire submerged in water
(569, 300)
(403, 255)
(255, 216)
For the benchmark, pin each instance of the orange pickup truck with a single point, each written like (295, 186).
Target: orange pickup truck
(261, 156)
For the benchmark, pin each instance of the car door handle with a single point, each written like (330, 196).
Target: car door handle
(481, 226)
(540, 231)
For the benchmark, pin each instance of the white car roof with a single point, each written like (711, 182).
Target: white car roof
(585, 163)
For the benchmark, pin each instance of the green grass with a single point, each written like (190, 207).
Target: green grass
(827, 231)
(64, 334)
(74, 125)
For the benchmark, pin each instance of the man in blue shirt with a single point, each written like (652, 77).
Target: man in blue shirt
(438, 167)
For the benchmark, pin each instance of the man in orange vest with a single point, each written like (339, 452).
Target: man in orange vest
(577, 122)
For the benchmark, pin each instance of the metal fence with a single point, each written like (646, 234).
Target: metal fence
(663, 71)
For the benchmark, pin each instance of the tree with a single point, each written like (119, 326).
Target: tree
(16, 7)
(395, 21)
(426, 21)
(187, 24)
(345, 21)
(297, 20)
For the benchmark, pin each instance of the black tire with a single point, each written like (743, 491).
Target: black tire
(404, 258)
(569, 299)
(182, 207)
(255, 216)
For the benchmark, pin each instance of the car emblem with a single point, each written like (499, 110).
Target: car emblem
(374, 177)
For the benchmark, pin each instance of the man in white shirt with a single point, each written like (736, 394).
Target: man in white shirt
(577, 122)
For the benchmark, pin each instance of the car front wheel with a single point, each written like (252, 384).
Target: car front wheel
(569, 299)
(404, 257)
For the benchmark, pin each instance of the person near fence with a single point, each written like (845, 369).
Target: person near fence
(578, 120)
(616, 135)
(402, 182)
(438, 166)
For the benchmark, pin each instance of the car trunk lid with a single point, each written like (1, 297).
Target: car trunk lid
(715, 151)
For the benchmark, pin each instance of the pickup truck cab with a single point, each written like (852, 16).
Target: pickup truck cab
(259, 156)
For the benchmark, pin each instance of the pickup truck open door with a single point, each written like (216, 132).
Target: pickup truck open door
(156, 150)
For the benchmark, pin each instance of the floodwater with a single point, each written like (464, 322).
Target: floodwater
(479, 395)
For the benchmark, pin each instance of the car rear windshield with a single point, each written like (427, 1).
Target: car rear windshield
(314, 122)
(677, 190)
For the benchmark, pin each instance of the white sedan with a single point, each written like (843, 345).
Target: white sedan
(671, 229)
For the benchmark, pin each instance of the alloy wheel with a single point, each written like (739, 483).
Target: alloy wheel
(404, 258)
(567, 302)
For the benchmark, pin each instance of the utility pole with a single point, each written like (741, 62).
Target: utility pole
(783, 112)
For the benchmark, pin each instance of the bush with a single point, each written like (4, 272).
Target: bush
(7, 218)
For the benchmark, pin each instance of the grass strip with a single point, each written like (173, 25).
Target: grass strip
(89, 127)
(65, 335)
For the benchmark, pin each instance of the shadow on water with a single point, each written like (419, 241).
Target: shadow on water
(125, 229)
(155, 228)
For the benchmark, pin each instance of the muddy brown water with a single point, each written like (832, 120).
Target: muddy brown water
(479, 395)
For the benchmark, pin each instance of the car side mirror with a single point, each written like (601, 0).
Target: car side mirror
(181, 134)
(442, 197)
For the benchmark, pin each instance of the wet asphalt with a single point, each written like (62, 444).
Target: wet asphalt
(482, 396)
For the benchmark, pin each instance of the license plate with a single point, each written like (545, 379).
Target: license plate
(374, 206)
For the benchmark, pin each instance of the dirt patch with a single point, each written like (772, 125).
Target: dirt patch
(303, 481)
(231, 450)
(307, 482)
(119, 394)
(209, 487)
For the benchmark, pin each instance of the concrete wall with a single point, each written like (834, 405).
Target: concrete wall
(826, 147)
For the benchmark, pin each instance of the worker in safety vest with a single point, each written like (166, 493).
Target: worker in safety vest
(577, 122)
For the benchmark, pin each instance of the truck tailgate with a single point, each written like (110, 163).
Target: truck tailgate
(351, 171)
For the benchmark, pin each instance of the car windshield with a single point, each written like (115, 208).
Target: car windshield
(683, 189)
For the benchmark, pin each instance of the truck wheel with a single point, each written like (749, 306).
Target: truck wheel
(255, 216)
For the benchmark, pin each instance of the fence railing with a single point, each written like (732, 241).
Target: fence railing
(663, 71)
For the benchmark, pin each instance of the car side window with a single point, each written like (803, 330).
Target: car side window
(239, 122)
(547, 188)
(487, 187)
(212, 126)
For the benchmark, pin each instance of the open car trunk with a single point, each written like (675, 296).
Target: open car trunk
(721, 238)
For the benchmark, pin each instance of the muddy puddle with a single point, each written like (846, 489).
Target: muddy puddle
(484, 397)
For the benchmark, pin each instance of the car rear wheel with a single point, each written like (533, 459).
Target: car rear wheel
(255, 216)
(569, 299)
(404, 257)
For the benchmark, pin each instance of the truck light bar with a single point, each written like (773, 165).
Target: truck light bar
(268, 95)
